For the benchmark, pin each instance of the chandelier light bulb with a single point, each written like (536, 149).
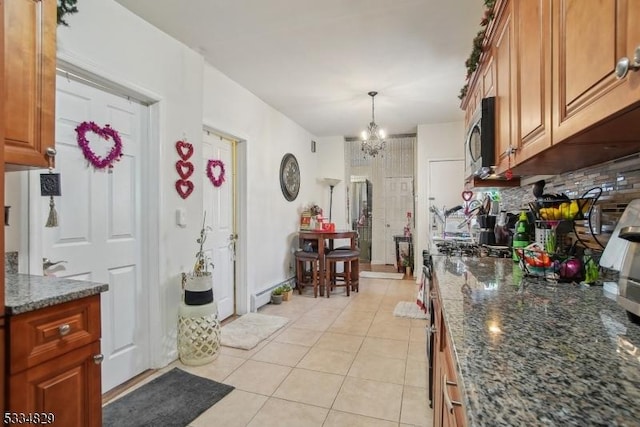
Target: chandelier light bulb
(373, 138)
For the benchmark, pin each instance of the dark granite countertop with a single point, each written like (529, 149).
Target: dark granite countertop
(24, 292)
(537, 353)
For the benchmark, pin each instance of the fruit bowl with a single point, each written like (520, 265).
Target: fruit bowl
(562, 209)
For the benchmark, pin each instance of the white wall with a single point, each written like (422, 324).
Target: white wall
(106, 39)
(435, 141)
(13, 186)
(272, 222)
(192, 94)
(331, 160)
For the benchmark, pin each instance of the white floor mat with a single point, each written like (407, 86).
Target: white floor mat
(381, 275)
(409, 309)
(247, 331)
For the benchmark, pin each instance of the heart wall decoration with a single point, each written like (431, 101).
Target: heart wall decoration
(106, 132)
(184, 188)
(213, 167)
(185, 168)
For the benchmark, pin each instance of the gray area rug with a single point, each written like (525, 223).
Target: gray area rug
(409, 309)
(247, 331)
(174, 399)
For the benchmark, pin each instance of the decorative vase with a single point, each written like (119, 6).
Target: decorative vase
(198, 333)
(276, 299)
(198, 290)
(198, 323)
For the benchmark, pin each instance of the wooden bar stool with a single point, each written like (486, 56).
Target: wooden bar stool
(349, 277)
(302, 276)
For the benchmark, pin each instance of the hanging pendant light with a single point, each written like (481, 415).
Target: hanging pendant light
(373, 138)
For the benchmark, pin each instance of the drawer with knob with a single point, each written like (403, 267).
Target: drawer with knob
(38, 336)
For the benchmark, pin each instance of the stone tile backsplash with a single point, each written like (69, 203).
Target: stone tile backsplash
(11, 262)
(619, 180)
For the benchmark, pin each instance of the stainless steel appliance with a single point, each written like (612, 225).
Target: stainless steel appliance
(426, 288)
(629, 283)
(622, 253)
(480, 141)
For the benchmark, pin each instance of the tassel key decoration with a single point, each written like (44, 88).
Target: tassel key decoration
(52, 221)
(50, 186)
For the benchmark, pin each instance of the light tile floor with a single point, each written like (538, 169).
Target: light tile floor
(341, 361)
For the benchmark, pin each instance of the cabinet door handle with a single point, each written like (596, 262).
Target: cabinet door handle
(447, 399)
(624, 64)
(98, 358)
(64, 329)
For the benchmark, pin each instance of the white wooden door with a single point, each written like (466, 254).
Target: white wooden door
(219, 207)
(398, 200)
(99, 221)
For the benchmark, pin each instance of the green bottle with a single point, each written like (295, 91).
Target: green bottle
(521, 236)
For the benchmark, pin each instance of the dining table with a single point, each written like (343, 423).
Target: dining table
(330, 236)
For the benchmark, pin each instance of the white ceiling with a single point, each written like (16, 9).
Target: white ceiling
(315, 60)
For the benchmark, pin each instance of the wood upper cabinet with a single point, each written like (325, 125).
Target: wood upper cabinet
(30, 67)
(504, 57)
(589, 38)
(533, 43)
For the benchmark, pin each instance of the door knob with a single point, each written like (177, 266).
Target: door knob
(98, 358)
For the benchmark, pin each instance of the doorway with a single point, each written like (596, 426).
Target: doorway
(398, 204)
(390, 179)
(219, 204)
(100, 233)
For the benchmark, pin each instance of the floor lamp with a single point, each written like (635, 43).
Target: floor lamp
(332, 182)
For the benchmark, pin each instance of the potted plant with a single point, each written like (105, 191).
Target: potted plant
(276, 295)
(198, 285)
(198, 324)
(287, 292)
(407, 264)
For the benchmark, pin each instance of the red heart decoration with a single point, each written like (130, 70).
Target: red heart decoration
(212, 165)
(184, 188)
(185, 169)
(184, 149)
(467, 195)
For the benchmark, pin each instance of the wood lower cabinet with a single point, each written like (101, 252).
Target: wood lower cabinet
(448, 409)
(30, 69)
(54, 365)
(2, 362)
(66, 389)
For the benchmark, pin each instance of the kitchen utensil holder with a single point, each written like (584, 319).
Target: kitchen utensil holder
(558, 229)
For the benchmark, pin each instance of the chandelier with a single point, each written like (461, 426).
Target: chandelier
(373, 138)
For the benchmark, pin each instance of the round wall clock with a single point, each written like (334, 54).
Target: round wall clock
(289, 177)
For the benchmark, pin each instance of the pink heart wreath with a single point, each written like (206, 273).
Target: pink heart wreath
(106, 132)
(211, 165)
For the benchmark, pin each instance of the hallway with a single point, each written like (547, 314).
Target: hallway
(342, 361)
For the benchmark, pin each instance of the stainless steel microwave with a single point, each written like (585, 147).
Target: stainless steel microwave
(480, 140)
